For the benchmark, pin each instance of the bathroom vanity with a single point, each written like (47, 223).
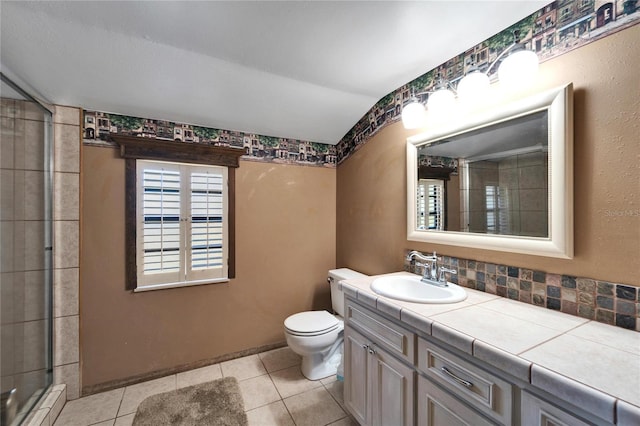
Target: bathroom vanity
(486, 360)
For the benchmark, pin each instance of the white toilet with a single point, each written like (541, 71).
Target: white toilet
(317, 335)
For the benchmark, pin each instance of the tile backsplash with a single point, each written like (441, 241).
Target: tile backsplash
(610, 303)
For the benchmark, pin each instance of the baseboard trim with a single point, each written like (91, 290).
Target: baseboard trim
(115, 384)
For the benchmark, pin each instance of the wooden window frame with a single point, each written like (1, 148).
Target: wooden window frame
(134, 148)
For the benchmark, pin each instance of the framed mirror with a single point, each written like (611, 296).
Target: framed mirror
(501, 179)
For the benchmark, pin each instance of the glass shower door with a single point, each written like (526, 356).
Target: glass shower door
(25, 252)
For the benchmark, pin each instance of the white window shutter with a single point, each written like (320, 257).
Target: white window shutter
(207, 253)
(181, 224)
(430, 204)
(158, 218)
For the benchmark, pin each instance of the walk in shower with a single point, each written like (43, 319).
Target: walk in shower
(25, 252)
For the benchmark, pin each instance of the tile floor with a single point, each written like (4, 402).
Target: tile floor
(274, 392)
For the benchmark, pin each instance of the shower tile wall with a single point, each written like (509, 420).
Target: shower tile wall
(525, 177)
(66, 215)
(508, 197)
(22, 322)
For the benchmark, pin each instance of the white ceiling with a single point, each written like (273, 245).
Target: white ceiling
(307, 70)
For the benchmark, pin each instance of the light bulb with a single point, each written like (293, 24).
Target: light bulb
(441, 100)
(473, 87)
(518, 69)
(413, 115)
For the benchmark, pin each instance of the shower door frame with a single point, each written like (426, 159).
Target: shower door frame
(48, 170)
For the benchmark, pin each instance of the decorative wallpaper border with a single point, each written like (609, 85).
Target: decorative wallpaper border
(557, 28)
(602, 301)
(98, 125)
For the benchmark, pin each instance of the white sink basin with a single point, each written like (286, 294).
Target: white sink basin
(411, 289)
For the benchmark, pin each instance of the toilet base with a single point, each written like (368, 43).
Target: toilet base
(315, 368)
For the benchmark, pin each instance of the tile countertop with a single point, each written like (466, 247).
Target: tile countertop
(593, 365)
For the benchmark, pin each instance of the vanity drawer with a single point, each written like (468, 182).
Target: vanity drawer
(485, 391)
(389, 335)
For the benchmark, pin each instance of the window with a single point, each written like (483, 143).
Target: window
(431, 204)
(179, 212)
(497, 208)
(491, 208)
(181, 224)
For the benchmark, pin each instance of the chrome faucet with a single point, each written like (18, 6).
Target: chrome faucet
(429, 264)
(432, 274)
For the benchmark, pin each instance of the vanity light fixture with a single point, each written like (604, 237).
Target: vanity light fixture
(516, 70)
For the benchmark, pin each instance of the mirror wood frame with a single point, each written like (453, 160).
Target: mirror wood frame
(559, 243)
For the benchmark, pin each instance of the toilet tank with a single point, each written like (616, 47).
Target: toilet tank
(337, 296)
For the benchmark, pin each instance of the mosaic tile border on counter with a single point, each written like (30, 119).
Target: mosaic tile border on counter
(602, 301)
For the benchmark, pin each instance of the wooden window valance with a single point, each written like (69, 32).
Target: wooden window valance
(181, 152)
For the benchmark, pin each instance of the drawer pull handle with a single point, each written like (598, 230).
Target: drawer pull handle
(456, 378)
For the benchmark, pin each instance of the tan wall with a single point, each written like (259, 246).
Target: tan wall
(371, 222)
(285, 244)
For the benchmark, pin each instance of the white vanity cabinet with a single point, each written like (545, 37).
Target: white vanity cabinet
(396, 373)
(379, 375)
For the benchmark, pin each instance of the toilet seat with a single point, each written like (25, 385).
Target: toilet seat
(311, 323)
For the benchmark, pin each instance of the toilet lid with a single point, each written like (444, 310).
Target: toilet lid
(311, 322)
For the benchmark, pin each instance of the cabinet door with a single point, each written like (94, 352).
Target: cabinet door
(536, 412)
(391, 389)
(356, 382)
(436, 407)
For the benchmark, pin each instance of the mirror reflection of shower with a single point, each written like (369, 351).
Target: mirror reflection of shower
(25, 251)
(492, 180)
(507, 194)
